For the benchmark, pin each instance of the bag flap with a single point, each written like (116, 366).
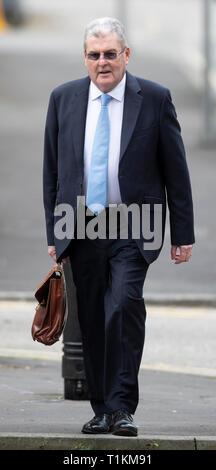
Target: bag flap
(42, 290)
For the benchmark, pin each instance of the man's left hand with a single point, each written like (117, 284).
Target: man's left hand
(185, 252)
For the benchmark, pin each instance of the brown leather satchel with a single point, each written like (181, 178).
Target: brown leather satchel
(50, 317)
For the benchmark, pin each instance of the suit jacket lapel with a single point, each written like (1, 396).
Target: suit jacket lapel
(78, 119)
(132, 105)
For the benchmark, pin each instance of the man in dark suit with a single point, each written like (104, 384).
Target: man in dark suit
(115, 139)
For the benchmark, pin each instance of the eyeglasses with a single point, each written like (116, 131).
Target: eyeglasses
(108, 55)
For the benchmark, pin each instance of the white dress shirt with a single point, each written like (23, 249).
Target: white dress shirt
(115, 110)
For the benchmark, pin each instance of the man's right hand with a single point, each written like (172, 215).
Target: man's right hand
(52, 253)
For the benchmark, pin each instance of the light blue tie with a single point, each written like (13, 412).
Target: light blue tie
(96, 198)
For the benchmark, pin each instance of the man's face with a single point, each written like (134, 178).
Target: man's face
(106, 74)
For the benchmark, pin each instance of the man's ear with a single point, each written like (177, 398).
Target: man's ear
(127, 54)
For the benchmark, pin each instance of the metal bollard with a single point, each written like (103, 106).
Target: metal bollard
(73, 372)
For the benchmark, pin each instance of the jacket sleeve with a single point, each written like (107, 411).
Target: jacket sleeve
(176, 175)
(50, 168)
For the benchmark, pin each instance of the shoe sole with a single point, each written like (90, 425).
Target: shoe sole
(95, 432)
(125, 432)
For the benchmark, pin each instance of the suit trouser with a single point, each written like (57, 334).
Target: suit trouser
(109, 277)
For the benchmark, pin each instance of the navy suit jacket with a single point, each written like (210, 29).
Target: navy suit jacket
(152, 165)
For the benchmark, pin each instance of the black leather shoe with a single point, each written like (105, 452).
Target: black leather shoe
(99, 424)
(123, 424)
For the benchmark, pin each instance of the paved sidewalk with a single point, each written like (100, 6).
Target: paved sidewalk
(176, 411)
(177, 407)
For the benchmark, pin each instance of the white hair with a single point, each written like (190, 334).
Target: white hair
(103, 26)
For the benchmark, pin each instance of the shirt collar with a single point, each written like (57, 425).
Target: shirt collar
(117, 93)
